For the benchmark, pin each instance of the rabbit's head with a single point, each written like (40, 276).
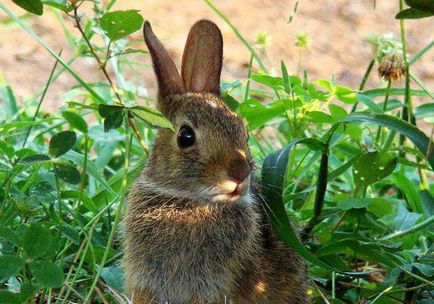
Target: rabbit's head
(206, 157)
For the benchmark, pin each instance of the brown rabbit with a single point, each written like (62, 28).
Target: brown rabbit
(195, 229)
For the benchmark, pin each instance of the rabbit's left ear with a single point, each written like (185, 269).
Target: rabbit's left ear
(202, 58)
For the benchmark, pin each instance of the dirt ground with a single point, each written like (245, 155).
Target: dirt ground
(337, 31)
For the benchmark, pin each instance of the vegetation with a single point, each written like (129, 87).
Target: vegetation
(355, 171)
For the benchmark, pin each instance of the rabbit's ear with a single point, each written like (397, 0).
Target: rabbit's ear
(169, 81)
(202, 58)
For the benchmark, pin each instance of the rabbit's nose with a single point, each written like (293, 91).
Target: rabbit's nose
(239, 169)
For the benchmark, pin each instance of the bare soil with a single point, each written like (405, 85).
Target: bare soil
(337, 30)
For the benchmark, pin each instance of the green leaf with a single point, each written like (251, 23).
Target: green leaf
(413, 13)
(151, 116)
(47, 273)
(32, 6)
(113, 276)
(257, 113)
(9, 101)
(108, 110)
(75, 121)
(59, 4)
(380, 207)
(350, 246)
(8, 297)
(405, 219)
(345, 95)
(427, 201)
(7, 149)
(231, 102)
(341, 170)
(373, 166)
(121, 23)
(393, 92)
(425, 269)
(67, 173)
(409, 190)
(354, 203)
(61, 143)
(9, 235)
(10, 265)
(369, 103)
(269, 81)
(421, 4)
(35, 158)
(35, 240)
(70, 233)
(91, 168)
(326, 84)
(424, 111)
(22, 124)
(86, 200)
(285, 77)
(25, 204)
(320, 117)
(273, 175)
(338, 113)
(27, 292)
(419, 139)
(113, 115)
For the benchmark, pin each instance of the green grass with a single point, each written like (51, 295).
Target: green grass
(357, 184)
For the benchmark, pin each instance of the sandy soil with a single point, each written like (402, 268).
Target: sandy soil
(337, 30)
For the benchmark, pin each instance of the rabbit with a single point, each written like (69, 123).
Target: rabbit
(195, 230)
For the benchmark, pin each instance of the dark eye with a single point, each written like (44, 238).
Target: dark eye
(186, 137)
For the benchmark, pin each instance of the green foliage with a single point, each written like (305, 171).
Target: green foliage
(61, 143)
(120, 24)
(418, 9)
(361, 195)
(33, 6)
(380, 166)
(47, 274)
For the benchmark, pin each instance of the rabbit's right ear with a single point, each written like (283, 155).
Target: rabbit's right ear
(169, 81)
(202, 58)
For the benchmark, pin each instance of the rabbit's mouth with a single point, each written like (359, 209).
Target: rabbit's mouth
(233, 191)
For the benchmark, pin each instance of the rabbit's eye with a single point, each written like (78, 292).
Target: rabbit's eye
(186, 137)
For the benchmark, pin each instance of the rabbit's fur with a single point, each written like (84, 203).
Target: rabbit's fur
(189, 238)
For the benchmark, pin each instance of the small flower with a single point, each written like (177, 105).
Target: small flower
(391, 67)
(302, 40)
(388, 54)
(262, 40)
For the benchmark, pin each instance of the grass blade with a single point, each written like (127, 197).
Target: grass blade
(419, 139)
(273, 175)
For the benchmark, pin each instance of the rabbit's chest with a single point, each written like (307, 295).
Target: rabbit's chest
(187, 257)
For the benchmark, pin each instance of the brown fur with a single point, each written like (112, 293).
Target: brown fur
(186, 241)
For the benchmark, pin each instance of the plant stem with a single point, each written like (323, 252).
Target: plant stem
(386, 99)
(246, 94)
(102, 66)
(321, 189)
(42, 99)
(83, 180)
(59, 198)
(413, 229)
(364, 80)
(407, 113)
(94, 54)
(88, 239)
(117, 214)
